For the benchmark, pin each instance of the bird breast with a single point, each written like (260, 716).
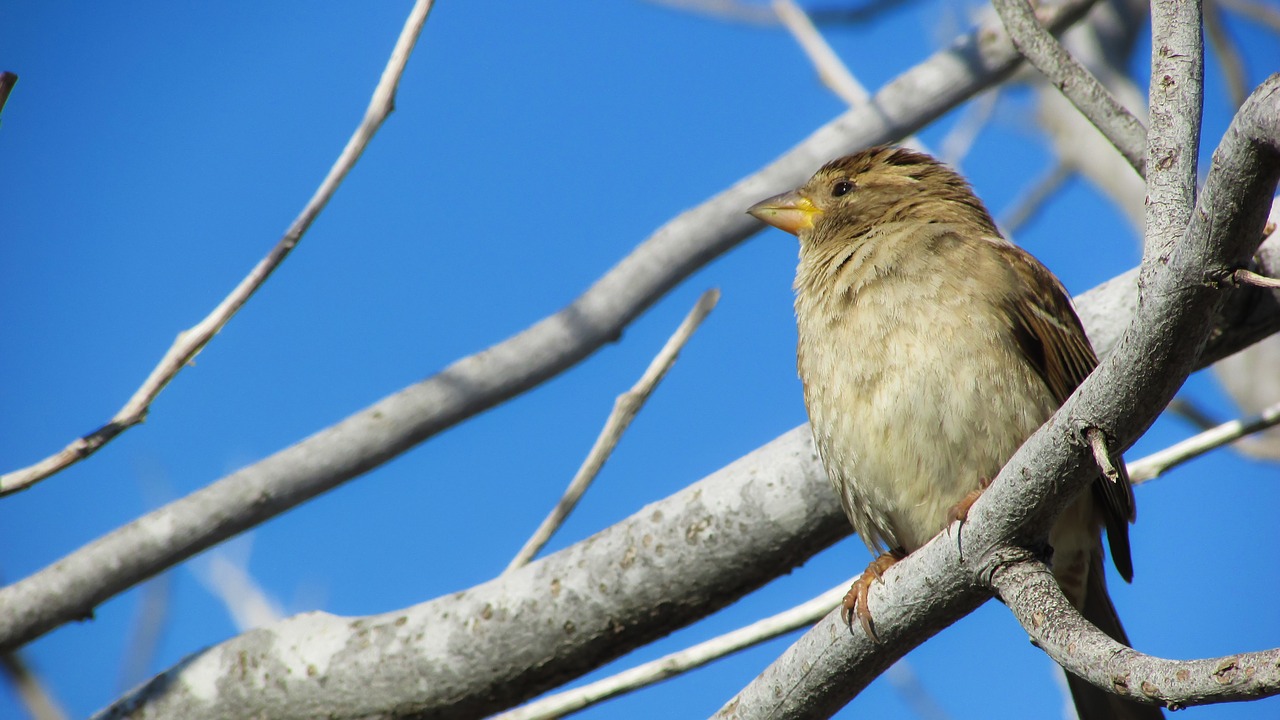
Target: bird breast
(915, 388)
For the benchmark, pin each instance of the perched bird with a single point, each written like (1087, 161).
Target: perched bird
(930, 348)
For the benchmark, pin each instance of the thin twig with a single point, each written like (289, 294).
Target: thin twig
(191, 341)
(1034, 199)
(1101, 455)
(1157, 463)
(1250, 277)
(7, 81)
(35, 696)
(1044, 51)
(679, 662)
(1262, 12)
(831, 70)
(1228, 53)
(625, 409)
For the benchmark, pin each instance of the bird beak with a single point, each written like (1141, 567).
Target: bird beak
(789, 211)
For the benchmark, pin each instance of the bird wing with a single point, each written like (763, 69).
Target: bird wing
(1053, 340)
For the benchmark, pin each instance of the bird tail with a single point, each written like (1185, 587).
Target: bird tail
(1091, 702)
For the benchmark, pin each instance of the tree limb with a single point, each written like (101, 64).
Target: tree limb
(625, 409)
(1031, 593)
(1083, 89)
(1176, 98)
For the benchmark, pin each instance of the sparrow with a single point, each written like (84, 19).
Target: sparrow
(930, 348)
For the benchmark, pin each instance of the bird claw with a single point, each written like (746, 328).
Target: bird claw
(960, 511)
(855, 601)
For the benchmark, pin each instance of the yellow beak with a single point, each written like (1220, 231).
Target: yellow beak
(789, 211)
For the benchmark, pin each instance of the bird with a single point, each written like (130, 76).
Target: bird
(929, 348)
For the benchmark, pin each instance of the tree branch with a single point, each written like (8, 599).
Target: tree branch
(625, 409)
(1158, 463)
(1174, 105)
(1079, 86)
(1031, 593)
(70, 588)
(192, 340)
(475, 652)
(679, 662)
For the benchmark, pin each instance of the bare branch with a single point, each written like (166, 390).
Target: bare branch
(831, 70)
(671, 562)
(1174, 104)
(1048, 56)
(1250, 277)
(680, 662)
(1101, 455)
(1032, 594)
(625, 409)
(71, 587)
(1157, 463)
(192, 340)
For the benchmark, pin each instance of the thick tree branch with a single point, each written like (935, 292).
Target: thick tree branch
(1179, 295)
(192, 340)
(492, 646)
(1174, 105)
(70, 588)
(1031, 593)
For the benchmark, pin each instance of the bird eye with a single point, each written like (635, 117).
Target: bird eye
(841, 187)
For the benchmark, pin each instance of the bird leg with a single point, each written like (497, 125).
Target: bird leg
(855, 601)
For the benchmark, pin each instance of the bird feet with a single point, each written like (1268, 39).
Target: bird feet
(855, 601)
(960, 511)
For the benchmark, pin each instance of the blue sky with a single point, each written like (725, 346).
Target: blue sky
(153, 152)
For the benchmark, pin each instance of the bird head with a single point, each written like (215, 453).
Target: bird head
(876, 186)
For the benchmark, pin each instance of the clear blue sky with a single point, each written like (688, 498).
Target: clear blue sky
(153, 152)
